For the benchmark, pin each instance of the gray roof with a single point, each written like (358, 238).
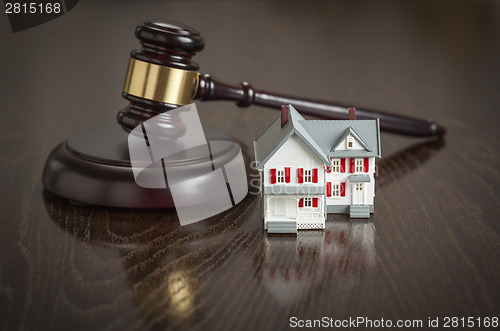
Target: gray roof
(321, 136)
(359, 178)
(329, 135)
(273, 137)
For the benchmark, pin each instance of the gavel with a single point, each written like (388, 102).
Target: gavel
(93, 166)
(162, 76)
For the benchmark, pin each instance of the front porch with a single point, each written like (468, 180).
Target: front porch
(289, 213)
(310, 221)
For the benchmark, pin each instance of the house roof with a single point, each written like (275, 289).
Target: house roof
(321, 136)
(273, 137)
(349, 132)
(329, 135)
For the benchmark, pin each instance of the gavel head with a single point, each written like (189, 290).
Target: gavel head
(161, 76)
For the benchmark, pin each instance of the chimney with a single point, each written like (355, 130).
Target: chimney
(285, 112)
(352, 113)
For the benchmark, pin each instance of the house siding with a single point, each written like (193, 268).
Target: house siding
(281, 198)
(294, 154)
(337, 177)
(294, 189)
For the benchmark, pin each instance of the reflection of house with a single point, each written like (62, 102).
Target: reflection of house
(313, 167)
(295, 267)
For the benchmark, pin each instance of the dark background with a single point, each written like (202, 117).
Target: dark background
(430, 250)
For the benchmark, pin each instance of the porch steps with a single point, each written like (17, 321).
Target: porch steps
(359, 211)
(282, 226)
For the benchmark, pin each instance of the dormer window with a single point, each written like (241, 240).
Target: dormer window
(349, 142)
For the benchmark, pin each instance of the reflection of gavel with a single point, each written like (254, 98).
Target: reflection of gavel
(162, 76)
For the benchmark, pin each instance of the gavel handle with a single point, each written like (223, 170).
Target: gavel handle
(245, 95)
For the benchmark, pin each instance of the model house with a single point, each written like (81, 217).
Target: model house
(313, 167)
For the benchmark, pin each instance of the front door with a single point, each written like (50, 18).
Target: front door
(358, 193)
(279, 206)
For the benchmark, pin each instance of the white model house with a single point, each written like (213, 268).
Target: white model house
(313, 167)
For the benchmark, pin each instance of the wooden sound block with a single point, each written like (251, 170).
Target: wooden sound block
(93, 167)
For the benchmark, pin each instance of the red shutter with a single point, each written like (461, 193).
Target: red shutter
(329, 169)
(351, 165)
(273, 176)
(301, 202)
(342, 189)
(328, 189)
(315, 202)
(366, 164)
(300, 175)
(342, 165)
(287, 175)
(315, 175)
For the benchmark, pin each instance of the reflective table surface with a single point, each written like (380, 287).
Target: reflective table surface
(430, 251)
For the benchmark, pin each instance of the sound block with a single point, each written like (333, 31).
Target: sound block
(93, 167)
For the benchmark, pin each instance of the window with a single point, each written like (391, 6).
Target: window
(307, 202)
(359, 187)
(359, 165)
(336, 190)
(307, 176)
(336, 165)
(349, 142)
(280, 176)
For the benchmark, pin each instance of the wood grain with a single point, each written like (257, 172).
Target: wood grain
(430, 250)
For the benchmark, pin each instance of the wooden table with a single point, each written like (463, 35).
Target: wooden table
(431, 250)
